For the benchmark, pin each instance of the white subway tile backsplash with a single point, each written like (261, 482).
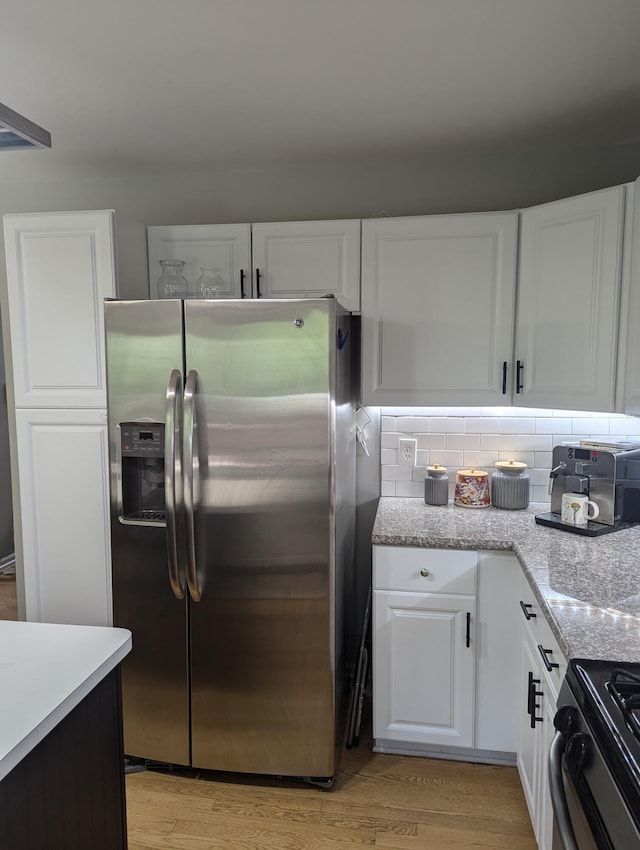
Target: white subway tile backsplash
(423, 458)
(538, 412)
(498, 442)
(484, 425)
(389, 440)
(410, 489)
(413, 424)
(580, 425)
(452, 460)
(533, 443)
(552, 426)
(463, 437)
(542, 460)
(393, 472)
(516, 425)
(447, 425)
(431, 441)
(464, 442)
(464, 411)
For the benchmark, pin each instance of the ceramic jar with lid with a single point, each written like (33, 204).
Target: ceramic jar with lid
(510, 485)
(472, 489)
(436, 485)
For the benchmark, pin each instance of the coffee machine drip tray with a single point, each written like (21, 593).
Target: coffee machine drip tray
(591, 529)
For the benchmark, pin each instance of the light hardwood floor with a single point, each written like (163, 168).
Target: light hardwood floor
(8, 603)
(383, 801)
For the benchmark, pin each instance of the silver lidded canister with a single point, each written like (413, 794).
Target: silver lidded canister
(436, 485)
(510, 485)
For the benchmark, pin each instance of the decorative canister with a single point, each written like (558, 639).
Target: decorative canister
(472, 489)
(510, 485)
(436, 485)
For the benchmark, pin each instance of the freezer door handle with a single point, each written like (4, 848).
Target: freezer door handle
(173, 398)
(188, 458)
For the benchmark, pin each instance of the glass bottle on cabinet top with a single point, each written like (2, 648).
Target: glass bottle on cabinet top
(210, 284)
(172, 283)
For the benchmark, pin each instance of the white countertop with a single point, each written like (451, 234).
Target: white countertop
(45, 671)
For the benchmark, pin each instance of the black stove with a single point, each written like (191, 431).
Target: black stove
(598, 747)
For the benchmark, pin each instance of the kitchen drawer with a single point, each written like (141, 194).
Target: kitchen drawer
(418, 570)
(542, 637)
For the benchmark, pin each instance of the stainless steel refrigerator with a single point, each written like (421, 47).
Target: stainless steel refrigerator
(232, 469)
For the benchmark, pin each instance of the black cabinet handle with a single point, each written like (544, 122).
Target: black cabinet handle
(531, 701)
(530, 615)
(544, 653)
(242, 276)
(519, 371)
(504, 377)
(468, 639)
(258, 293)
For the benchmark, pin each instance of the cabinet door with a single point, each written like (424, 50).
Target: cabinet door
(225, 247)
(568, 298)
(60, 267)
(437, 309)
(423, 669)
(300, 259)
(530, 678)
(64, 510)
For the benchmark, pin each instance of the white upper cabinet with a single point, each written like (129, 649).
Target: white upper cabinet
(568, 302)
(296, 259)
(225, 247)
(60, 267)
(437, 309)
(628, 386)
(300, 259)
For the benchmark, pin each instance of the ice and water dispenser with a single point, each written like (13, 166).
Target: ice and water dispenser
(142, 456)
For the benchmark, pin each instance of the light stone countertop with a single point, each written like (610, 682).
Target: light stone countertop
(588, 587)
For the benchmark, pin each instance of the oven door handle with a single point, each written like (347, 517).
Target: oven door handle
(558, 796)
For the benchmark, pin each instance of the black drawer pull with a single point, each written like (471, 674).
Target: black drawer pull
(530, 615)
(544, 653)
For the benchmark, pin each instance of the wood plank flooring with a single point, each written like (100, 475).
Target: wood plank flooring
(8, 602)
(382, 801)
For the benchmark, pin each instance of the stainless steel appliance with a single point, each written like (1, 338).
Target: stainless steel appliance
(594, 759)
(609, 474)
(232, 453)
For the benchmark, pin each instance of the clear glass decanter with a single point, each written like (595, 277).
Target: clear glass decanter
(172, 283)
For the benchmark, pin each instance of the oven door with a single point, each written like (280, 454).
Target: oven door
(589, 812)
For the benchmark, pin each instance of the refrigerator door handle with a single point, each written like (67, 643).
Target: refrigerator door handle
(174, 387)
(188, 459)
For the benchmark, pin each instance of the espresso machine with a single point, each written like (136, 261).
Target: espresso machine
(607, 473)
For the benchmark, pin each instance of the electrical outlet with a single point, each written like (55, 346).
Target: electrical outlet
(407, 452)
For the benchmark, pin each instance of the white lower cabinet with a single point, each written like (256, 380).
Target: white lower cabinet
(542, 670)
(465, 664)
(64, 511)
(444, 663)
(423, 668)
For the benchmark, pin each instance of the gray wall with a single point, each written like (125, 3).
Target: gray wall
(357, 189)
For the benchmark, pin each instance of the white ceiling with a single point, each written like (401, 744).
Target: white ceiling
(157, 86)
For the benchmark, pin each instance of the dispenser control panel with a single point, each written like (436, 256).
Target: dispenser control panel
(142, 439)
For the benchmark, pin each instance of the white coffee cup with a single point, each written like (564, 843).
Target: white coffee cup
(577, 509)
